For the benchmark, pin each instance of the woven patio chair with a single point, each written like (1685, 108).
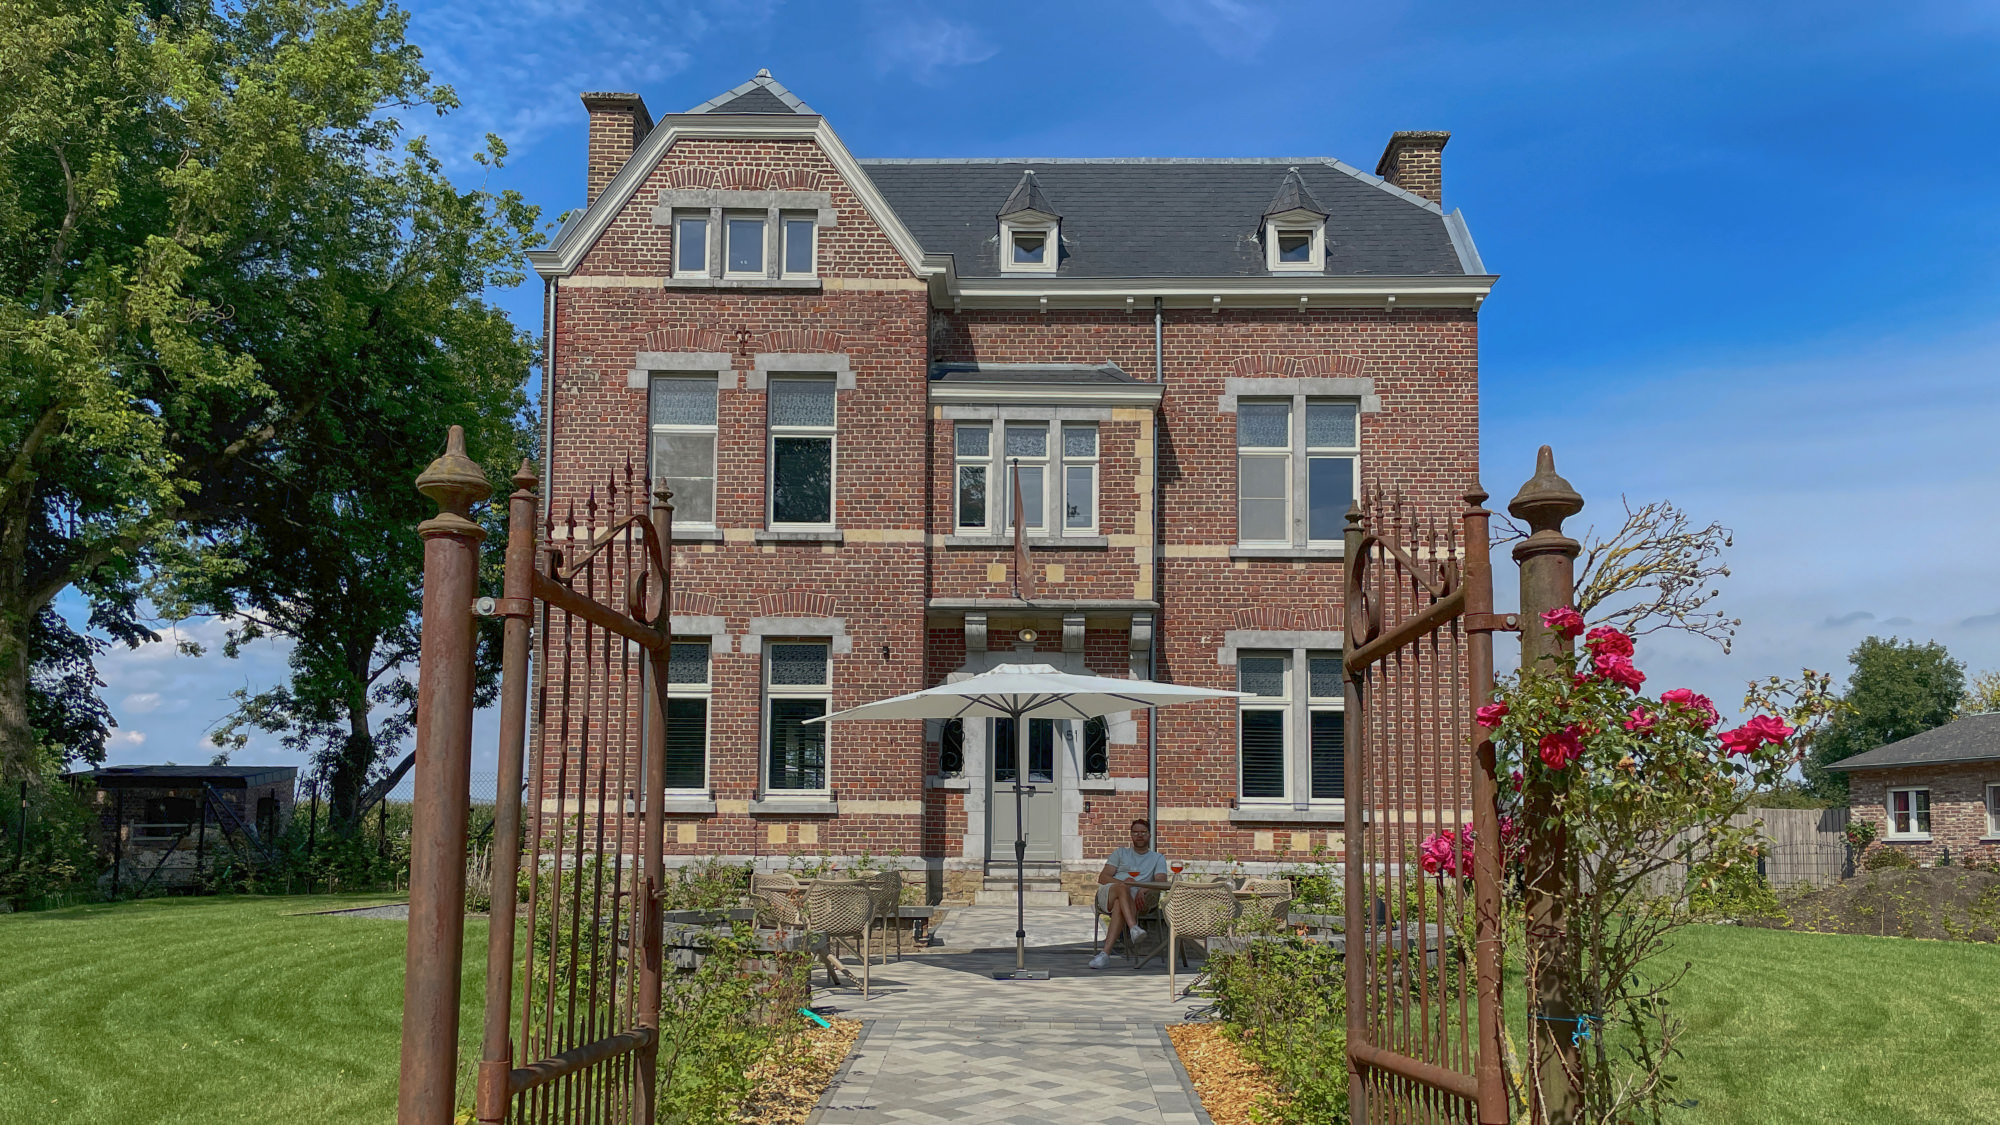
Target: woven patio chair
(777, 897)
(1264, 902)
(1150, 919)
(842, 908)
(1196, 910)
(886, 887)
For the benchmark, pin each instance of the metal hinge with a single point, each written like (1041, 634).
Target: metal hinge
(1492, 623)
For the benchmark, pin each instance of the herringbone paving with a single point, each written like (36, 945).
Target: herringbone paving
(944, 1041)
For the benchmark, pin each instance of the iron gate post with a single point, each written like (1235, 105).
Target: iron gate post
(653, 825)
(1353, 799)
(1487, 860)
(435, 948)
(1547, 559)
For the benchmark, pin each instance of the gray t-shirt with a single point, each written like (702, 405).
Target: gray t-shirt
(1150, 864)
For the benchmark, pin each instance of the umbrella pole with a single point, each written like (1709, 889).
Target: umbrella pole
(1020, 846)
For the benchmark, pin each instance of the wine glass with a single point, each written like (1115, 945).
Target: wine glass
(1175, 867)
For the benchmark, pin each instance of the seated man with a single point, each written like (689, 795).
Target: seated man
(1119, 897)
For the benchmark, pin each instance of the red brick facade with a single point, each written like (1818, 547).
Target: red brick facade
(902, 598)
(1958, 810)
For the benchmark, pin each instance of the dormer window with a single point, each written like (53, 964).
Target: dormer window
(1030, 230)
(1294, 229)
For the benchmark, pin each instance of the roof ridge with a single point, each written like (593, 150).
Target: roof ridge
(761, 80)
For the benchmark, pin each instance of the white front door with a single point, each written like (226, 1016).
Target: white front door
(1040, 815)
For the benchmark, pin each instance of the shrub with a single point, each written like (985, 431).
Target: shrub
(54, 861)
(1885, 858)
(1285, 1000)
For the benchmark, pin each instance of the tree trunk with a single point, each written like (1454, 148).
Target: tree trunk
(17, 737)
(349, 778)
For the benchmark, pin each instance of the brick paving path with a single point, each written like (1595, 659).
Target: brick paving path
(944, 1041)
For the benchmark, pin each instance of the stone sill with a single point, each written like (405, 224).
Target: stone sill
(1287, 552)
(697, 534)
(1111, 785)
(685, 806)
(1078, 542)
(1284, 814)
(768, 535)
(933, 781)
(810, 283)
(1908, 839)
(795, 806)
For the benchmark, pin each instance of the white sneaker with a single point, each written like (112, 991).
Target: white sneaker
(1100, 961)
(1137, 933)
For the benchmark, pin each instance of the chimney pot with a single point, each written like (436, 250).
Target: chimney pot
(1414, 161)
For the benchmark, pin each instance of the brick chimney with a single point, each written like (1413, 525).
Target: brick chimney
(1414, 161)
(618, 122)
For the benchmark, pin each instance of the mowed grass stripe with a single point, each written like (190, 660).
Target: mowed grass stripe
(206, 1010)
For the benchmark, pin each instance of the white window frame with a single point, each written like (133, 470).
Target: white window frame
(822, 692)
(669, 430)
(961, 463)
(1317, 704)
(1351, 452)
(1308, 224)
(1051, 229)
(785, 221)
(705, 692)
(1293, 424)
(1067, 462)
(762, 219)
(707, 245)
(831, 433)
(1281, 705)
(1046, 462)
(1993, 810)
(1889, 804)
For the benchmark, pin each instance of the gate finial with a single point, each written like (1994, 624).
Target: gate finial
(1547, 499)
(456, 482)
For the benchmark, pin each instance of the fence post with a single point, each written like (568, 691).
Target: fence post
(1487, 858)
(1547, 560)
(444, 760)
(653, 827)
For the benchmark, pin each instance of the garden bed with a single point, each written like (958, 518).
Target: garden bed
(1232, 1087)
(790, 1082)
(1954, 903)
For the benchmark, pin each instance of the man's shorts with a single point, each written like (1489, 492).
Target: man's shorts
(1146, 898)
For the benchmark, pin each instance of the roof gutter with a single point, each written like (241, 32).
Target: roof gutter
(1851, 764)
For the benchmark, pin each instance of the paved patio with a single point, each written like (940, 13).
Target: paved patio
(945, 1041)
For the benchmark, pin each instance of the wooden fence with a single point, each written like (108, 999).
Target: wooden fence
(1802, 848)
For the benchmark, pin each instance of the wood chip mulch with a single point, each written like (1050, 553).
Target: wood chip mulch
(1233, 1089)
(789, 1081)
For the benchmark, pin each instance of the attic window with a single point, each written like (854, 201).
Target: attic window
(1029, 247)
(1295, 245)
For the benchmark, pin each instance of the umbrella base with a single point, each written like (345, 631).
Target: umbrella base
(1021, 974)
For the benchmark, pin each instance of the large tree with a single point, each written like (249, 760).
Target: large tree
(1899, 688)
(215, 248)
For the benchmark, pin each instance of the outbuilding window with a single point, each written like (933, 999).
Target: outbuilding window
(1909, 814)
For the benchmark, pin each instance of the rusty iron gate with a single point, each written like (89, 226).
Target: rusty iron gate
(1423, 947)
(572, 1010)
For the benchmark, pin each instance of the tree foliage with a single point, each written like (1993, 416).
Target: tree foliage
(1658, 570)
(1982, 695)
(226, 283)
(1899, 688)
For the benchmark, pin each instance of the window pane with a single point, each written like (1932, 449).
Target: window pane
(1263, 425)
(691, 254)
(1261, 675)
(802, 402)
(1096, 747)
(972, 496)
(679, 401)
(1324, 678)
(1003, 748)
(1332, 425)
(802, 480)
(795, 665)
(1295, 246)
(1032, 492)
(1079, 505)
(1027, 440)
(1262, 521)
(975, 441)
(1029, 246)
(1923, 813)
(1263, 753)
(685, 463)
(1261, 495)
(1329, 749)
(687, 742)
(1330, 488)
(746, 246)
(687, 662)
(798, 245)
(798, 751)
(951, 748)
(1041, 750)
(1079, 441)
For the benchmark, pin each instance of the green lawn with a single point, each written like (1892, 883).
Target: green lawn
(206, 1010)
(235, 1009)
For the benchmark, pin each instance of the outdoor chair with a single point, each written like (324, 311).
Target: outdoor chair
(1149, 919)
(1264, 903)
(1198, 911)
(842, 908)
(776, 899)
(886, 888)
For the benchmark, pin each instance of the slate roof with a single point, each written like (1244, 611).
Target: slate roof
(229, 777)
(1166, 218)
(1975, 738)
(762, 94)
(1293, 196)
(1029, 373)
(1028, 197)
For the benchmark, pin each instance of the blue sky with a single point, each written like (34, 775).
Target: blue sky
(1747, 252)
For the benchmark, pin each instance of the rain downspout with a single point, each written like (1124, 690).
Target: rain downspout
(1153, 642)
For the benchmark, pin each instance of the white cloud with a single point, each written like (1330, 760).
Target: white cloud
(927, 44)
(1232, 28)
(128, 738)
(140, 702)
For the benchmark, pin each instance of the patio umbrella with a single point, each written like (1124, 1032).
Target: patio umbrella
(1021, 692)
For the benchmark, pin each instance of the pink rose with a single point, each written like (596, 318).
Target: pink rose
(1605, 639)
(1703, 708)
(1560, 748)
(1517, 779)
(1618, 669)
(1742, 740)
(1641, 721)
(1491, 714)
(1770, 728)
(1438, 853)
(1565, 621)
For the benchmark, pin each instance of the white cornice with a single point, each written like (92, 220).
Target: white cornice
(562, 258)
(1051, 394)
(1292, 291)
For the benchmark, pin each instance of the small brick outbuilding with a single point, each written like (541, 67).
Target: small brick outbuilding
(1932, 792)
(166, 822)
